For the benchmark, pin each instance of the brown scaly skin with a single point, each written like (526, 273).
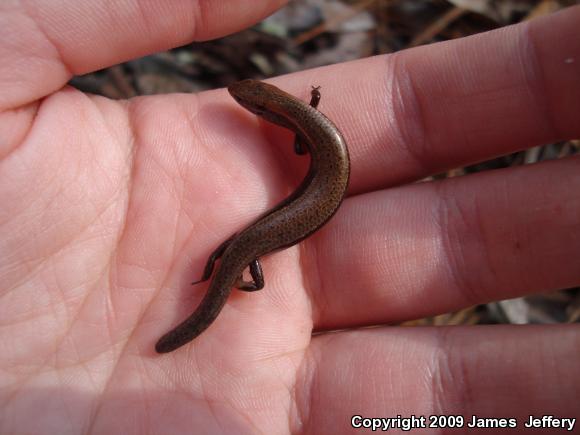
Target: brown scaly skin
(307, 209)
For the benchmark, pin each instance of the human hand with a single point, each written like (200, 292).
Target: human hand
(110, 209)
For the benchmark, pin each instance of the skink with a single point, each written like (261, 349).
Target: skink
(307, 209)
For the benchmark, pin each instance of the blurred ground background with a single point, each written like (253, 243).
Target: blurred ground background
(311, 33)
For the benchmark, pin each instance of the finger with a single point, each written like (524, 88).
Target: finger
(42, 44)
(435, 247)
(432, 108)
(500, 371)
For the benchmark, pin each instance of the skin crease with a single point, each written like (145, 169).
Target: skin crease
(101, 232)
(307, 209)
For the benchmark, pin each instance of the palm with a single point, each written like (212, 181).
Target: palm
(109, 210)
(132, 199)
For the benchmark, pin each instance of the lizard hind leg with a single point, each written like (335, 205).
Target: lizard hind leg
(257, 282)
(219, 251)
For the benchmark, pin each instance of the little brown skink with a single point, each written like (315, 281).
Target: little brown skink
(298, 216)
